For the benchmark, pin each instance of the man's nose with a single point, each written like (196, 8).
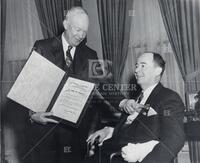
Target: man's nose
(136, 69)
(81, 35)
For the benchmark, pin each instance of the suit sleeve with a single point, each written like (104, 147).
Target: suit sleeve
(37, 47)
(172, 136)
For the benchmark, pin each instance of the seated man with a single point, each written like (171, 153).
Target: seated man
(151, 128)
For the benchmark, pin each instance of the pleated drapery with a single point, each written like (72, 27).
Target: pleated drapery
(115, 22)
(182, 22)
(51, 14)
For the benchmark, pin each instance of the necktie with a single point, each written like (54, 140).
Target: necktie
(146, 107)
(68, 59)
(131, 117)
(140, 97)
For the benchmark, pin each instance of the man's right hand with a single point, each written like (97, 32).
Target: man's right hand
(130, 106)
(101, 135)
(43, 117)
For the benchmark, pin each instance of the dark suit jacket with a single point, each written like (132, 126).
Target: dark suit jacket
(166, 126)
(52, 49)
(64, 135)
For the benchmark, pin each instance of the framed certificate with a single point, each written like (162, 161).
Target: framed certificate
(71, 101)
(42, 86)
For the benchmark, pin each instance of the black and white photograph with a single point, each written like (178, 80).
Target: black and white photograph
(100, 81)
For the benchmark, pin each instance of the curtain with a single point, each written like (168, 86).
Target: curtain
(148, 34)
(115, 19)
(22, 28)
(2, 45)
(51, 14)
(182, 23)
(2, 34)
(194, 151)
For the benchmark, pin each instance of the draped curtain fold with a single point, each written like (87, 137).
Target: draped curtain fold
(115, 22)
(148, 34)
(51, 15)
(3, 28)
(194, 151)
(182, 22)
(2, 47)
(20, 29)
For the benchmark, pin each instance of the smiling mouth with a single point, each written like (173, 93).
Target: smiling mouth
(78, 40)
(138, 77)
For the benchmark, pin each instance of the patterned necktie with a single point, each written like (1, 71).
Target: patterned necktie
(131, 117)
(140, 97)
(146, 107)
(68, 59)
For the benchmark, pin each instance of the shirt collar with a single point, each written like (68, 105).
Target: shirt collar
(65, 47)
(147, 92)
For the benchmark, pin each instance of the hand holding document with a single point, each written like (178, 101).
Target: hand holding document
(43, 118)
(42, 86)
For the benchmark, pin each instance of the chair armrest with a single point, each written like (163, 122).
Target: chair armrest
(114, 154)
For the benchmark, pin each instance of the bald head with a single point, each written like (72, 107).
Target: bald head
(76, 25)
(149, 69)
(77, 12)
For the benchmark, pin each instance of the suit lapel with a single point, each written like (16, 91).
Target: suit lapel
(139, 119)
(151, 98)
(58, 53)
(80, 59)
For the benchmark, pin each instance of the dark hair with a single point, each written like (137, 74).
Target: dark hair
(158, 59)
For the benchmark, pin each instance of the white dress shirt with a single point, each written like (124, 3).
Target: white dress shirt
(65, 47)
(146, 94)
(137, 152)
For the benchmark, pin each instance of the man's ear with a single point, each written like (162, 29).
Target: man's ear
(158, 70)
(65, 24)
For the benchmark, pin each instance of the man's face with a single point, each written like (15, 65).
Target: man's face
(145, 70)
(77, 28)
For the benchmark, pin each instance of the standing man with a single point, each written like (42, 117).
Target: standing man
(151, 127)
(52, 142)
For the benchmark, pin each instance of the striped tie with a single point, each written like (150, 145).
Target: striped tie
(140, 97)
(68, 59)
